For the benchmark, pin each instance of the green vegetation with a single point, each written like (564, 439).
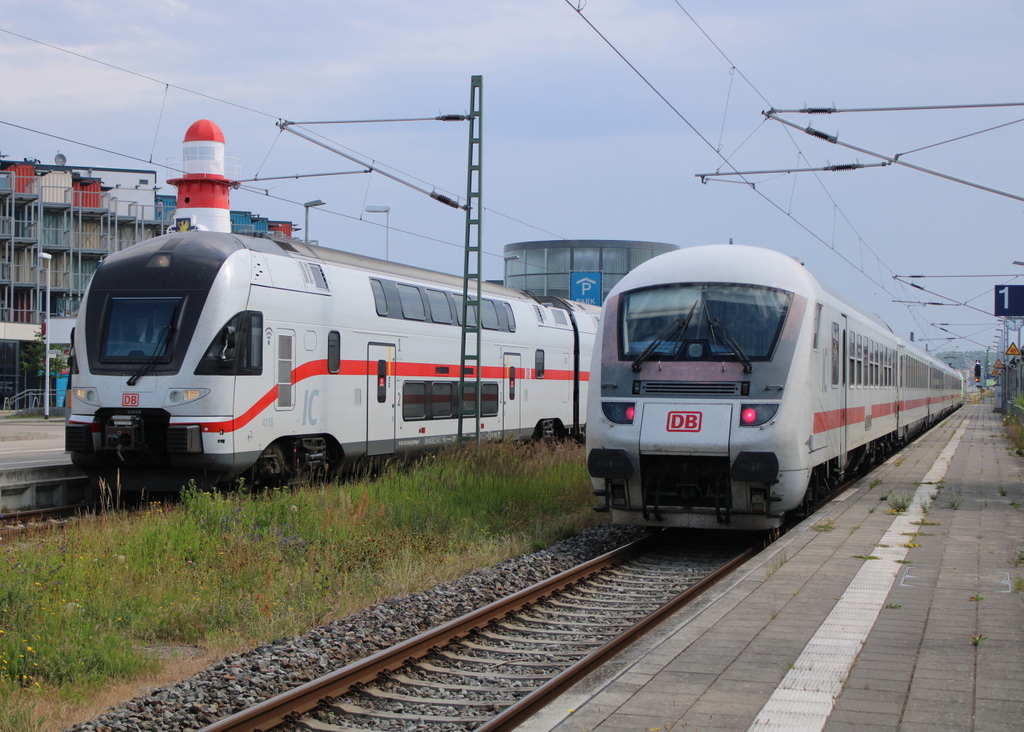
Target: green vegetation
(899, 503)
(78, 605)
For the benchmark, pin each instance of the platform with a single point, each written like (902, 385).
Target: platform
(857, 619)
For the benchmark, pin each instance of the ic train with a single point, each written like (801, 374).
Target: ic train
(210, 356)
(734, 387)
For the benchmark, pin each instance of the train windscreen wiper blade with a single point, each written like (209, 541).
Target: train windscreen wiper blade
(681, 323)
(715, 326)
(160, 350)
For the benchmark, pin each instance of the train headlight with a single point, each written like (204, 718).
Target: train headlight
(753, 415)
(86, 395)
(177, 397)
(619, 412)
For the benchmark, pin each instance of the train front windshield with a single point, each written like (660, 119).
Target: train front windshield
(702, 322)
(139, 328)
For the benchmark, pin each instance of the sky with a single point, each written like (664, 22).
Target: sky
(598, 120)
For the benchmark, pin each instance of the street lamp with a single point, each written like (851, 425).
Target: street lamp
(308, 205)
(386, 210)
(44, 259)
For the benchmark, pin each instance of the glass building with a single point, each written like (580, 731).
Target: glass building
(545, 267)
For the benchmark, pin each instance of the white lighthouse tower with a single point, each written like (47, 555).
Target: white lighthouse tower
(203, 190)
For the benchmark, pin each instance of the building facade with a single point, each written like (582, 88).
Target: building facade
(545, 268)
(77, 215)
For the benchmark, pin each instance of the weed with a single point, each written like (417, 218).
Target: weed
(872, 509)
(827, 525)
(865, 556)
(1018, 583)
(900, 503)
(954, 500)
(977, 598)
(1018, 556)
(976, 639)
(1002, 491)
(893, 606)
(855, 528)
(775, 565)
(874, 482)
(1016, 506)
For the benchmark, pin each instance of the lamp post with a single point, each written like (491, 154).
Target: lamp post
(386, 210)
(308, 205)
(45, 259)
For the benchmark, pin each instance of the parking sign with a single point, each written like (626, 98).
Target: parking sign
(585, 287)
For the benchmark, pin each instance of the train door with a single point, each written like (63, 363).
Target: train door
(381, 386)
(513, 363)
(847, 379)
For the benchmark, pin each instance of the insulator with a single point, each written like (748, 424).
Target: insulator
(445, 200)
(818, 110)
(452, 118)
(822, 135)
(845, 166)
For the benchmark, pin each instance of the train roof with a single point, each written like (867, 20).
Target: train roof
(211, 246)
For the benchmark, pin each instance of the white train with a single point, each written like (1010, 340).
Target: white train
(210, 356)
(731, 387)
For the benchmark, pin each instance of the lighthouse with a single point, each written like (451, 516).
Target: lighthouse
(203, 189)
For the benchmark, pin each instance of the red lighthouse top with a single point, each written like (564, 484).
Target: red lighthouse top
(205, 130)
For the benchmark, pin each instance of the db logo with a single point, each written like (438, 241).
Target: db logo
(129, 400)
(684, 421)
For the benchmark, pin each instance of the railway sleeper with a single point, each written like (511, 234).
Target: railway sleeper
(563, 640)
(446, 702)
(410, 681)
(486, 675)
(478, 661)
(379, 714)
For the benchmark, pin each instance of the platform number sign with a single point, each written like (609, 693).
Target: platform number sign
(1009, 301)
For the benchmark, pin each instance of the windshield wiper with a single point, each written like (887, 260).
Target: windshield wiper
(681, 323)
(159, 351)
(715, 325)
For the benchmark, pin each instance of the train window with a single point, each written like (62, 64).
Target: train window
(540, 314)
(470, 312)
(538, 366)
(509, 316)
(333, 352)
(488, 315)
(441, 399)
(237, 348)
(378, 297)
(559, 316)
(489, 399)
(412, 303)
(469, 398)
(285, 359)
(414, 400)
(440, 307)
(138, 329)
(751, 317)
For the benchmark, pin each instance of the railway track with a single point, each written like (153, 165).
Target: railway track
(493, 668)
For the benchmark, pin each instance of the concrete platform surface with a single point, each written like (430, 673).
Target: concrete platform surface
(860, 618)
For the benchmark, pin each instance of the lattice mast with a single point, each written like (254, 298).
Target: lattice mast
(470, 360)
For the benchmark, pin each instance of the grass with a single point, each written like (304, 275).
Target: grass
(79, 605)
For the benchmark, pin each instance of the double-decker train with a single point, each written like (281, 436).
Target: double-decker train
(209, 356)
(731, 387)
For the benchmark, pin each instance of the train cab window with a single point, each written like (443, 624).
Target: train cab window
(333, 352)
(414, 400)
(440, 307)
(412, 302)
(741, 322)
(237, 349)
(379, 299)
(138, 329)
(488, 315)
(509, 316)
(538, 365)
